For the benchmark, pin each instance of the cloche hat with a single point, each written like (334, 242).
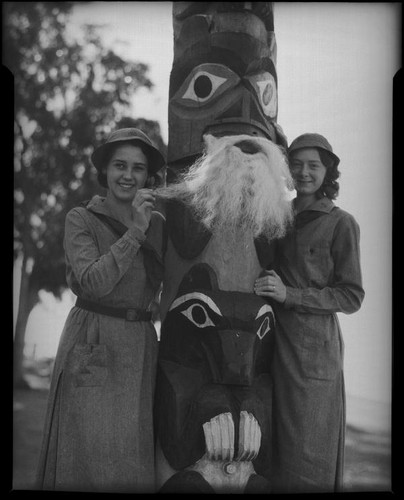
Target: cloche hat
(313, 141)
(155, 158)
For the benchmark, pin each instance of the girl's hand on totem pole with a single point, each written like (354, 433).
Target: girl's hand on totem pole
(270, 285)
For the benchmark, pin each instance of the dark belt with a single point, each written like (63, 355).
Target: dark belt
(116, 312)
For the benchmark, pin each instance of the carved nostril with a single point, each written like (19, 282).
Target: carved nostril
(248, 147)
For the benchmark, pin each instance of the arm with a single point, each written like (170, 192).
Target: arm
(345, 294)
(98, 274)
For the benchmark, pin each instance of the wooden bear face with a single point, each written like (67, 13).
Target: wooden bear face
(226, 335)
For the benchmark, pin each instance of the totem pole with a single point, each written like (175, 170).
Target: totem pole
(213, 393)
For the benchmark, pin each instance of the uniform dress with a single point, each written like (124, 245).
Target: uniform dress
(98, 433)
(319, 262)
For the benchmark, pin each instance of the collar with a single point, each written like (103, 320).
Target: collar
(97, 204)
(322, 205)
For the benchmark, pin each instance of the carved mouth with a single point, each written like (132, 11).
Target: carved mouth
(238, 127)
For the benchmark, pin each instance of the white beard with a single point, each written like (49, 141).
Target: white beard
(230, 190)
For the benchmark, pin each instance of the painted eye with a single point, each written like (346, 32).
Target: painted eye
(265, 314)
(265, 87)
(264, 328)
(197, 314)
(203, 86)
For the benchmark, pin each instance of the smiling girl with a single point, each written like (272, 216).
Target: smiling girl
(98, 433)
(317, 274)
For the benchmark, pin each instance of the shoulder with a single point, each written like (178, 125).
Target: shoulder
(78, 218)
(343, 216)
(345, 224)
(77, 213)
(84, 209)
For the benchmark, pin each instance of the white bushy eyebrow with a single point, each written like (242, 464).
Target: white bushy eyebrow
(199, 296)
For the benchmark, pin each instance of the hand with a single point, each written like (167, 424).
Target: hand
(219, 437)
(249, 437)
(270, 285)
(142, 206)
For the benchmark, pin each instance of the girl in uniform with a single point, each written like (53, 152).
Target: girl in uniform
(317, 275)
(98, 433)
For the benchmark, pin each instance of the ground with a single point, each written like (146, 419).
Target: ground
(367, 456)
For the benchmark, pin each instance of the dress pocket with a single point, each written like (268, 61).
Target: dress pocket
(88, 365)
(319, 358)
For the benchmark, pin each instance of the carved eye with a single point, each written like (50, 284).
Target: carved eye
(202, 86)
(197, 310)
(205, 83)
(264, 328)
(265, 319)
(198, 315)
(265, 87)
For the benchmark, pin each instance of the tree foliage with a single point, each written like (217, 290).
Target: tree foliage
(69, 93)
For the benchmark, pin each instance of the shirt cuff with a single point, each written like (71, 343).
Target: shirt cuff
(135, 235)
(293, 297)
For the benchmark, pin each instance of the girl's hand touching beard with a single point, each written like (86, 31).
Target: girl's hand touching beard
(142, 206)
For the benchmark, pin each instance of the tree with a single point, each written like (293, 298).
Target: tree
(69, 94)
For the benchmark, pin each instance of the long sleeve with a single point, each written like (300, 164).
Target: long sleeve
(345, 293)
(98, 274)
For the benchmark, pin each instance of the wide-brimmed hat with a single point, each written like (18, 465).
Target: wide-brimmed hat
(155, 158)
(313, 141)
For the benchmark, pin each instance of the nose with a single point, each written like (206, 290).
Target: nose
(128, 174)
(304, 170)
(237, 362)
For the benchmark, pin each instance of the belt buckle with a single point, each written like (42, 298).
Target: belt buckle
(132, 315)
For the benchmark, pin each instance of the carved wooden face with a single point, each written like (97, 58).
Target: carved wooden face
(223, 80)
(226, 336)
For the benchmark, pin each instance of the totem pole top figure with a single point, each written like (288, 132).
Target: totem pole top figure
(223, 79)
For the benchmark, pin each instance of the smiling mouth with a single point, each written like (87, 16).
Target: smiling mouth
(126, 186)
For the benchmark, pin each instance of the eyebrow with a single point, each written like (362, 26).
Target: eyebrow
(124, 161)
(295, 160)
(196, 295)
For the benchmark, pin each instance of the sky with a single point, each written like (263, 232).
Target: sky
(335, 66)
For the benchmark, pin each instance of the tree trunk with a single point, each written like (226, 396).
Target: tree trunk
(27, 300)
(27, 297)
